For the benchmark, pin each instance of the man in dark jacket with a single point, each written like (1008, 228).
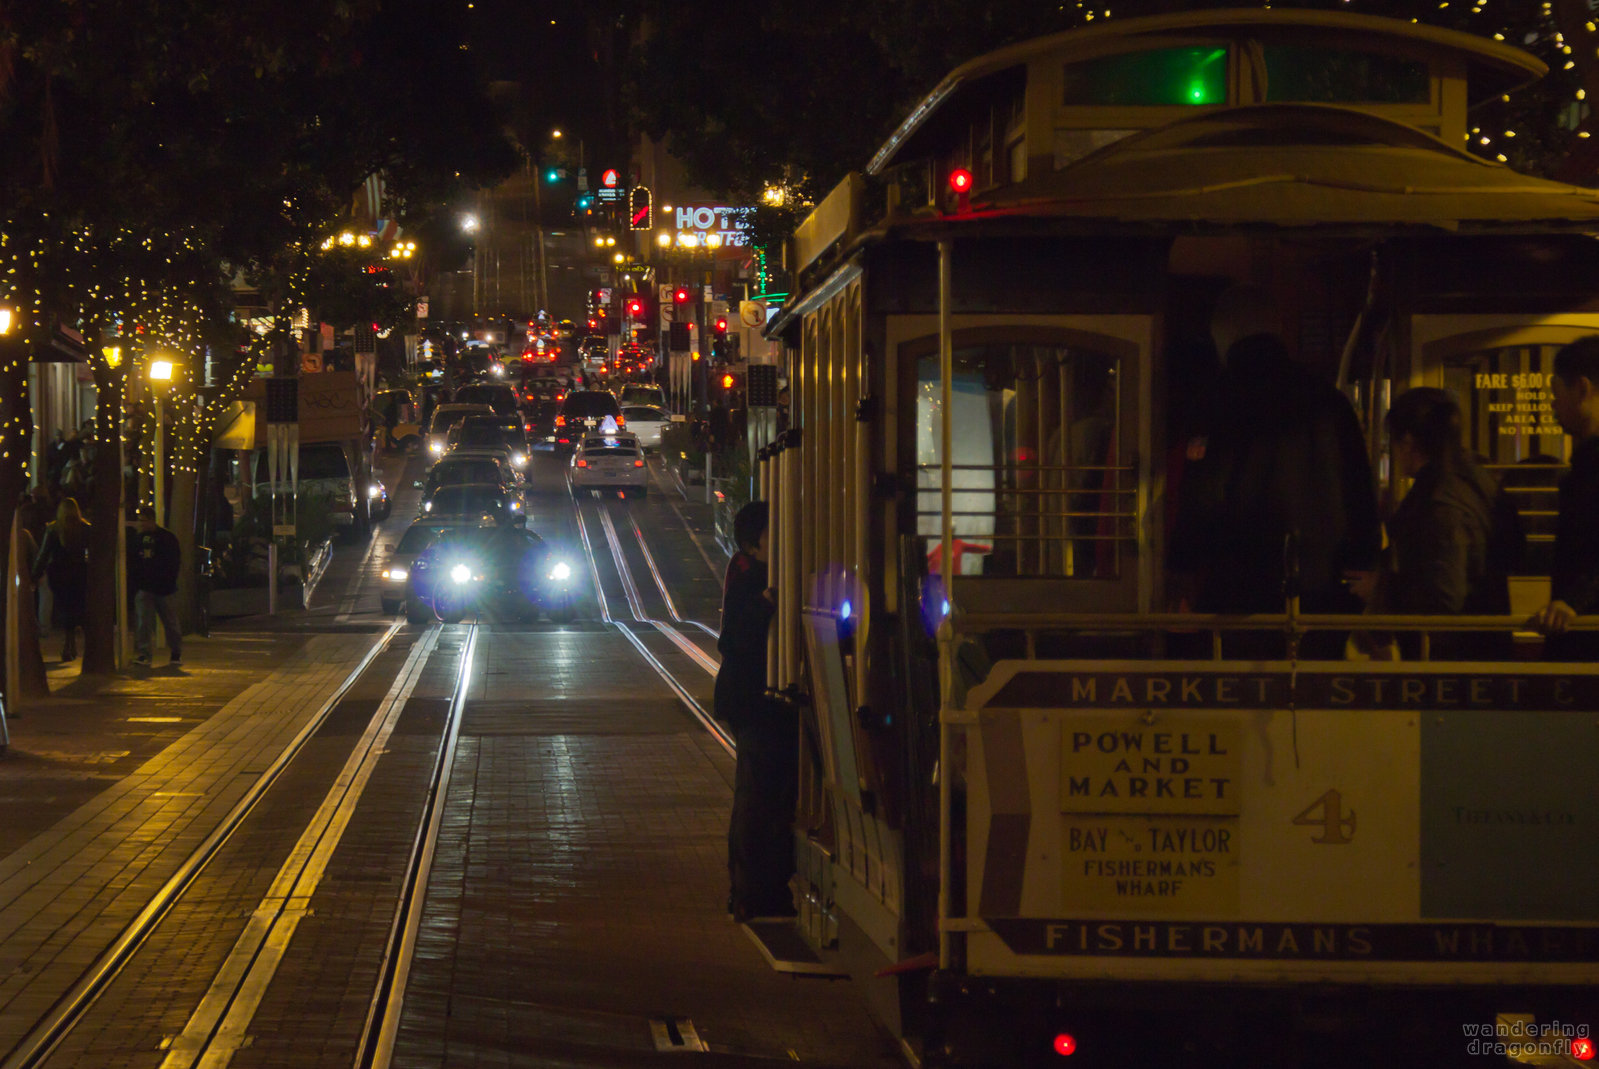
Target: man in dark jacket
(1280, 476)
(153, 562)
(1574, 585)
(760, 835)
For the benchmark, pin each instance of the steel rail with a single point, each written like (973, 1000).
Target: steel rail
(695, 709)
(63, 1015)
(382, 1027)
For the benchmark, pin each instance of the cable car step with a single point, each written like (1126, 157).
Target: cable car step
(785, 949)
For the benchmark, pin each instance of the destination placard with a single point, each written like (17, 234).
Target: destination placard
(1313, 690)
(1151, 864)
(1297, 942)
(1111, 764)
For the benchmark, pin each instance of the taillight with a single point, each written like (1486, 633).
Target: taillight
(638, 463)
(582, 463)
(560, 421)
(621, 422)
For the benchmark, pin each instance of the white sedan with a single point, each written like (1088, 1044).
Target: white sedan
(647, 422)
(610, 461)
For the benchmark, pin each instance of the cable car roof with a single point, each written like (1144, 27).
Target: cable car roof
(1291, 165)
(1493, 67)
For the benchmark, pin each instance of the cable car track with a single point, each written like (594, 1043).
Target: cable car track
(53, 1027)
(641, 616)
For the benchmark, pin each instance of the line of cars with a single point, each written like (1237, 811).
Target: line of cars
(469, 547)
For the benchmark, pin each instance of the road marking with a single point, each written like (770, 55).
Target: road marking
(216, 1029)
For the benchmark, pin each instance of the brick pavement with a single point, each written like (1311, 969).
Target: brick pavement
(580, 884)
(69, 890)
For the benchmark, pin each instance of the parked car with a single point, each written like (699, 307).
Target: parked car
(326, 474)
(609, 461)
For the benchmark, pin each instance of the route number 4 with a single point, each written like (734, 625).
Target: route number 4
(1327, 813)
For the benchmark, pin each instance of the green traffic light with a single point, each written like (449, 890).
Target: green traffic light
(552, 176)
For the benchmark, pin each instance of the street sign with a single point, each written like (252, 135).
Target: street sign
(710, 294)
(422, 308)
(752, 313)
(665, 293)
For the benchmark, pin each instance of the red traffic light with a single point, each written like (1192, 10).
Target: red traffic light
(721, 325)
(960, 180)
(727, 382)
(635, 307)
(680, 295)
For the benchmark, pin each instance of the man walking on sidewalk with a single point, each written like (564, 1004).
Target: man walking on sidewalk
(153, 562)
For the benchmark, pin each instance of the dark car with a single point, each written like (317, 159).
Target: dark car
(500, 396)
(460, 470)
(460, 503)
(483, 432)
(538, 421)
(502, 568)
(584, 410)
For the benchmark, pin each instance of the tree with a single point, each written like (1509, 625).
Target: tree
(807, 92)
(153, 153)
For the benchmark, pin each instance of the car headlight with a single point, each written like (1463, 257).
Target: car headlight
(519, 459)
(561, 572)
(436, 446)
(427, 506)
(461, 573)
(396, 574)
(374, 491)
(516, 506)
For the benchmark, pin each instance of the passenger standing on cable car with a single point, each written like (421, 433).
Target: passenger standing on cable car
(760, 837)
(1455, 537)
(1281, 472)
(1574, 584)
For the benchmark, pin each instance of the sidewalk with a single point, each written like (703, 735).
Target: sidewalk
(110, 783)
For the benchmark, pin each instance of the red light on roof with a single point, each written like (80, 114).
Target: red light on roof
(1065, 1044)
(960, 180)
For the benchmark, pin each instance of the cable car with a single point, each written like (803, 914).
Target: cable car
(1042, 814)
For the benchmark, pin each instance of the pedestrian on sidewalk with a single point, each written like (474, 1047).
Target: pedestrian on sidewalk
(153, 562)
(64, 558)
(760, 836)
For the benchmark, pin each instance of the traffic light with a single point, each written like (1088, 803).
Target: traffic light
(680, 295)
(635, 307)
(727, 381)
(721, 326)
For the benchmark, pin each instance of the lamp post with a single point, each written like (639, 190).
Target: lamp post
(160, 371)
(123, 647)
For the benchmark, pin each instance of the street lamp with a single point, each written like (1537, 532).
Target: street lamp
(5, 319)
(159, 371)
(469, 223)
(113, 356)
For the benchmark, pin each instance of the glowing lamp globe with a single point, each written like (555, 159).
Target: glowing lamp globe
(960, 180)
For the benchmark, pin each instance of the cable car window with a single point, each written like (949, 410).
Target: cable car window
(1511, 427)
(1041, 487)
(1189, 76)
(1318, 75)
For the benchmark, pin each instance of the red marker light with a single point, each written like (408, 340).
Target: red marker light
(1064, 1043)
(638, 463)
(960, 180)
(1582, 1049)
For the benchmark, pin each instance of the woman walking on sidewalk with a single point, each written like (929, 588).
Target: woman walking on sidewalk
(64, 557)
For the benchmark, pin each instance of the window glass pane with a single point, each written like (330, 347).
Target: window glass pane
(1335, 76)
(1193, 75)
(1039, 486)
